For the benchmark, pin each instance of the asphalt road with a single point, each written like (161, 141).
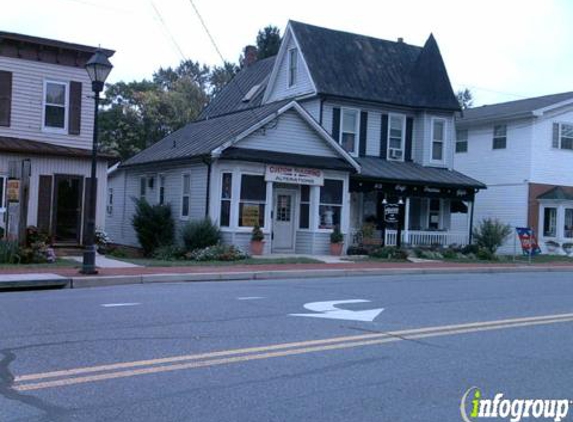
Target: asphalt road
(232, 351)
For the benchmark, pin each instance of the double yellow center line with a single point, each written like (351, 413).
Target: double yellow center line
(90, 374)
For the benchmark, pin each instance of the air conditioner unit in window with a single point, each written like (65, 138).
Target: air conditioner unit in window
(395, 154)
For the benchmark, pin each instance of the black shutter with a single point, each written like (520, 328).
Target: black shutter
(409, 130)
(336, 124)
(384, 137)
(363, 131)
(44, 204)
(75, 112)
(5, 97)
(87, 205)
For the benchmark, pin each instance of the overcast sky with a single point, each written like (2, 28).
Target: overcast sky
(502, 50)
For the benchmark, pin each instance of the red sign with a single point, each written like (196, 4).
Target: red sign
(529, 245)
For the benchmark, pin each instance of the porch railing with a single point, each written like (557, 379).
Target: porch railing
(420, 237)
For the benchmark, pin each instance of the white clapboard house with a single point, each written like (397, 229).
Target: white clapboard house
(523, 151)
(315, 137)
(46, 120)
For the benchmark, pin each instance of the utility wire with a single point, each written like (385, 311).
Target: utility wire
(173, 40)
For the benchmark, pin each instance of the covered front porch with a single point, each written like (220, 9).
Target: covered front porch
(415, 211)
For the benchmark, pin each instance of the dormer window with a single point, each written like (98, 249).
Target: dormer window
(292, 64)
(438, 139)
(55, 105)
(349, 130)
(396, 137)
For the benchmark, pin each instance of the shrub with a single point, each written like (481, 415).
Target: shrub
(450, 253)
(218, 253)
(485, 254)
(336, 236)
(470, 249)
(168, 253)
(9, 251)
(257, 234)
(356, 250)
(36, 253)
(389, 252)
(200, 234)
(490, 234)
(153, 225)
(101, 240)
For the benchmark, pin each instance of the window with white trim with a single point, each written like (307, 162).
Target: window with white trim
(349, 121)
(563, 136)
(304, 218)
(438, 139)
(292, 67)
(226, 198)
(434, 214)
(55, 105)
(185, 195)
(109, 205)
(330, 207)
(549, 222)
(461, 140)
(252, 201)
(500, 137)
(396, 137)
(568, 223)
(161, 189)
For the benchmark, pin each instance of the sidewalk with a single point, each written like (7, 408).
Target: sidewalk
(141, 275)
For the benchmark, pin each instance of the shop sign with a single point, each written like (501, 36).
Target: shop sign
(250, 217)
(391, 213)
(13, 190)
(295, 175)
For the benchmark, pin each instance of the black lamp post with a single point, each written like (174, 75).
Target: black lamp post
(98, 68)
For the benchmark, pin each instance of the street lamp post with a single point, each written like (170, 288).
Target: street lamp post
(98, 68)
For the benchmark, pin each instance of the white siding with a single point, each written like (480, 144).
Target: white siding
(291, 134)
(418, 137)
(27, 101)
(126, 185)
(280, 90)
(373, 134)
(47, 165)
(312, 107)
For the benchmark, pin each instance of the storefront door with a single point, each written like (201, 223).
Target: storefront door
(283, 221)
(68, 208)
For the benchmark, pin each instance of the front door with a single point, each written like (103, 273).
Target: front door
(67, 208)
(283, 221)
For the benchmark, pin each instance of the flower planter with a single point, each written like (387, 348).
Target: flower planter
(336, 249)
(257, 247)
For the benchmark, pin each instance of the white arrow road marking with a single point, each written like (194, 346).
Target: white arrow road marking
(330, 311)
(250, 298)
(117, 305)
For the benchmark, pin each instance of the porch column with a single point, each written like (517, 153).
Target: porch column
(407, 221)
(470, 221)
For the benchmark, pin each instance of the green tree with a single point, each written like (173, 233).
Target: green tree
(465, 98)
(268, 41)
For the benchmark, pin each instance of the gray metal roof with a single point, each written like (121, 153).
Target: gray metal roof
(409, 172)
(230, 99)
(516, 109)
(355, 66)
(201, 137)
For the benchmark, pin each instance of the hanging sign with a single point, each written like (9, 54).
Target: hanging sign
(13, 190)
(295, 175)
(529, 245)
(391, 213)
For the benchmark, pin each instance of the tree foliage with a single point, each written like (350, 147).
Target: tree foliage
(465, 98)
(268, 41)
(490, 234)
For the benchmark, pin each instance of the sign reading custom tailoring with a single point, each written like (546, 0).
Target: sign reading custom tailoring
(295, 175)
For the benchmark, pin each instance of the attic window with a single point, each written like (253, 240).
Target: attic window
(252, 92)
(292, 64)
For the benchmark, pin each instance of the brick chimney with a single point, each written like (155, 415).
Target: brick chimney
(251, 54)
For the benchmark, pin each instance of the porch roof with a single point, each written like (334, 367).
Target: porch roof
(374, 168)
(557, 194)
(30, 147)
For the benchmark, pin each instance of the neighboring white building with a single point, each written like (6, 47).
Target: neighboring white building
(358, 119)
(46, 117)
(523, 151)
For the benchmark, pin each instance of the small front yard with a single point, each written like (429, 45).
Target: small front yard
(149, 262)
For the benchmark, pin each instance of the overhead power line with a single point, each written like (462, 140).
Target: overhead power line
(173, 40)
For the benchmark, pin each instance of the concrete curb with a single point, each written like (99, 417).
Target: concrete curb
(101, 281)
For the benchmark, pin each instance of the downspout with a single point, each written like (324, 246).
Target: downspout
(207, 161)
(472, 219)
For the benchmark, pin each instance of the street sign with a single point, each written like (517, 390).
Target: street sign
(329, 310)
(391, 213)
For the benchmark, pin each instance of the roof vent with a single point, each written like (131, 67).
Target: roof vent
(252, 92)
(401, 40)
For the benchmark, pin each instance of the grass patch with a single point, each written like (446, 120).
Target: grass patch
(520, 259)
(58, 264)
(251, 261)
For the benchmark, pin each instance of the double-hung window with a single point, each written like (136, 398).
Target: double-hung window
(109, 206)
(438, 139)
(292, 67)
(550, 222)
(186, 196)
(396, 131)
(461, 140)
(500, 137)
(143, 187)
(226, 197)
(563, 136)
(161, 189)
(253, 200)
(568, 223)
(330, 207)
(55, 105)
(434, 214)
(349, 130)
(304, 218)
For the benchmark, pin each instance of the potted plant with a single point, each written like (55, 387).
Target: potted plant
(336, 241)
(568, 248)
(368, 231)
(257, 240)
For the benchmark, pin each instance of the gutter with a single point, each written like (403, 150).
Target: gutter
(208, 162)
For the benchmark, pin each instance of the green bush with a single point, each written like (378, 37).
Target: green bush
(490, 234)
(9, 251)
(257, 234)
(389, 252)
(153, 225)
(450, 253)
(485, 254)
(200, 234)
(336, 236)
(218, 253)
(168, 253)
